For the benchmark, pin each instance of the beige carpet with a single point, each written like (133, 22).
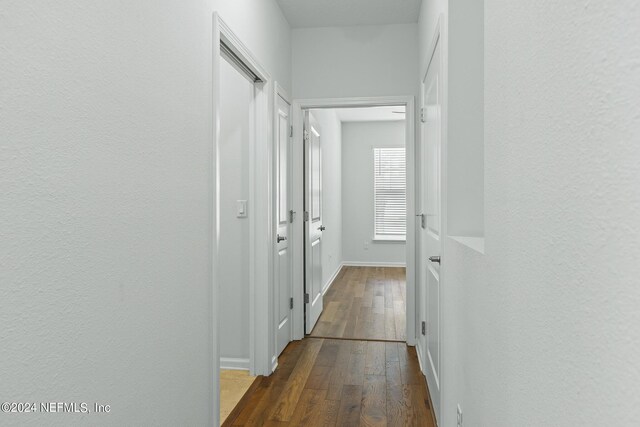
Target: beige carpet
(233, 385)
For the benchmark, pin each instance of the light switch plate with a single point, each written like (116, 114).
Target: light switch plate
(241, 208)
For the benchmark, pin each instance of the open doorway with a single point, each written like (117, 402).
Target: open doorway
(240, 205)
(364, 202)
(236, 100)
(356, 236)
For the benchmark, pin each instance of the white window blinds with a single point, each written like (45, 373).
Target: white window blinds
(390, 193)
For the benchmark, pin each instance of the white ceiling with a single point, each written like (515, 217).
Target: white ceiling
(338, 13)
(369, 114)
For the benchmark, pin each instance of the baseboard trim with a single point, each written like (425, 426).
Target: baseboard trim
(418, 351)
(373, 264)
(332, 279)
(234, 363)
(419, 354)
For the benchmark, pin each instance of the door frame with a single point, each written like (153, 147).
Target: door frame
(279, 91)
(439, 38)
(297, 229)
(260, 215)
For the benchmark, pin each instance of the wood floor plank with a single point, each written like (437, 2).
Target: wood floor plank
(374, 402)
(328, 353)
(308, 408)
(326, 415)
(420, 402)
(400, 406)
(336, 379)
(359, 347)
(339, 371)
(319, 378)
(258, 415)
(409, 366)
(350, 406)
(253, 394)
(365, 303)
(289, 399)
(392, 372)
(355, 370)
(391, 352)
(349, 397)
(375, 358)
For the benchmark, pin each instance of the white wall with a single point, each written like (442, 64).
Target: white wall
(541, 329)
(105, 128)
(355, 61)
(465, 133)
(431, 12)
(263, 28)
(235, 97)
(331, 142)
(358, 141)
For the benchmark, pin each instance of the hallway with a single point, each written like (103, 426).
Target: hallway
(325, 382)
(189, 188)
(365, 303)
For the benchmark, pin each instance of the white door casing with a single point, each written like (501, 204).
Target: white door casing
(313, 221)
(298, 242)
(282, 265)
(261, 253)
(430, 226)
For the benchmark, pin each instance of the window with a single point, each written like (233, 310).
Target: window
(390, 194)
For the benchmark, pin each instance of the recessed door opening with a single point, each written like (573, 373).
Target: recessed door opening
(236, 99)
(355, 235)
(242, 345)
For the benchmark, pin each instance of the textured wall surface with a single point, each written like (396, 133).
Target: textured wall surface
(236, 95)
(358, 141)
(542, 329)
(340, 62)
(465, 131)
(105, 136)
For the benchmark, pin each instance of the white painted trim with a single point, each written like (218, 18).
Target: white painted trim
(333, 277)
(374, 264)
(439, 37)
(214, 226)
(234, 363)
(261, 253)
(298, 202)
(279, 91)
(419, 352)
(378, 101)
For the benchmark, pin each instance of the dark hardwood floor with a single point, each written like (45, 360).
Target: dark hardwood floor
(327, 382)
(365, 303)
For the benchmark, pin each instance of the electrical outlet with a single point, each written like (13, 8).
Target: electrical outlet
(459, 416)
(366, 245)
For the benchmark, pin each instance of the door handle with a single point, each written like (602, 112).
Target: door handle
(322, 228)
(435, 258)
(281, 238)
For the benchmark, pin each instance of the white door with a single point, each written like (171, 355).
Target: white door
(313, 222)
(283, 289)
(430, 227)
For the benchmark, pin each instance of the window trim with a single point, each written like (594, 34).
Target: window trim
(387, 238)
